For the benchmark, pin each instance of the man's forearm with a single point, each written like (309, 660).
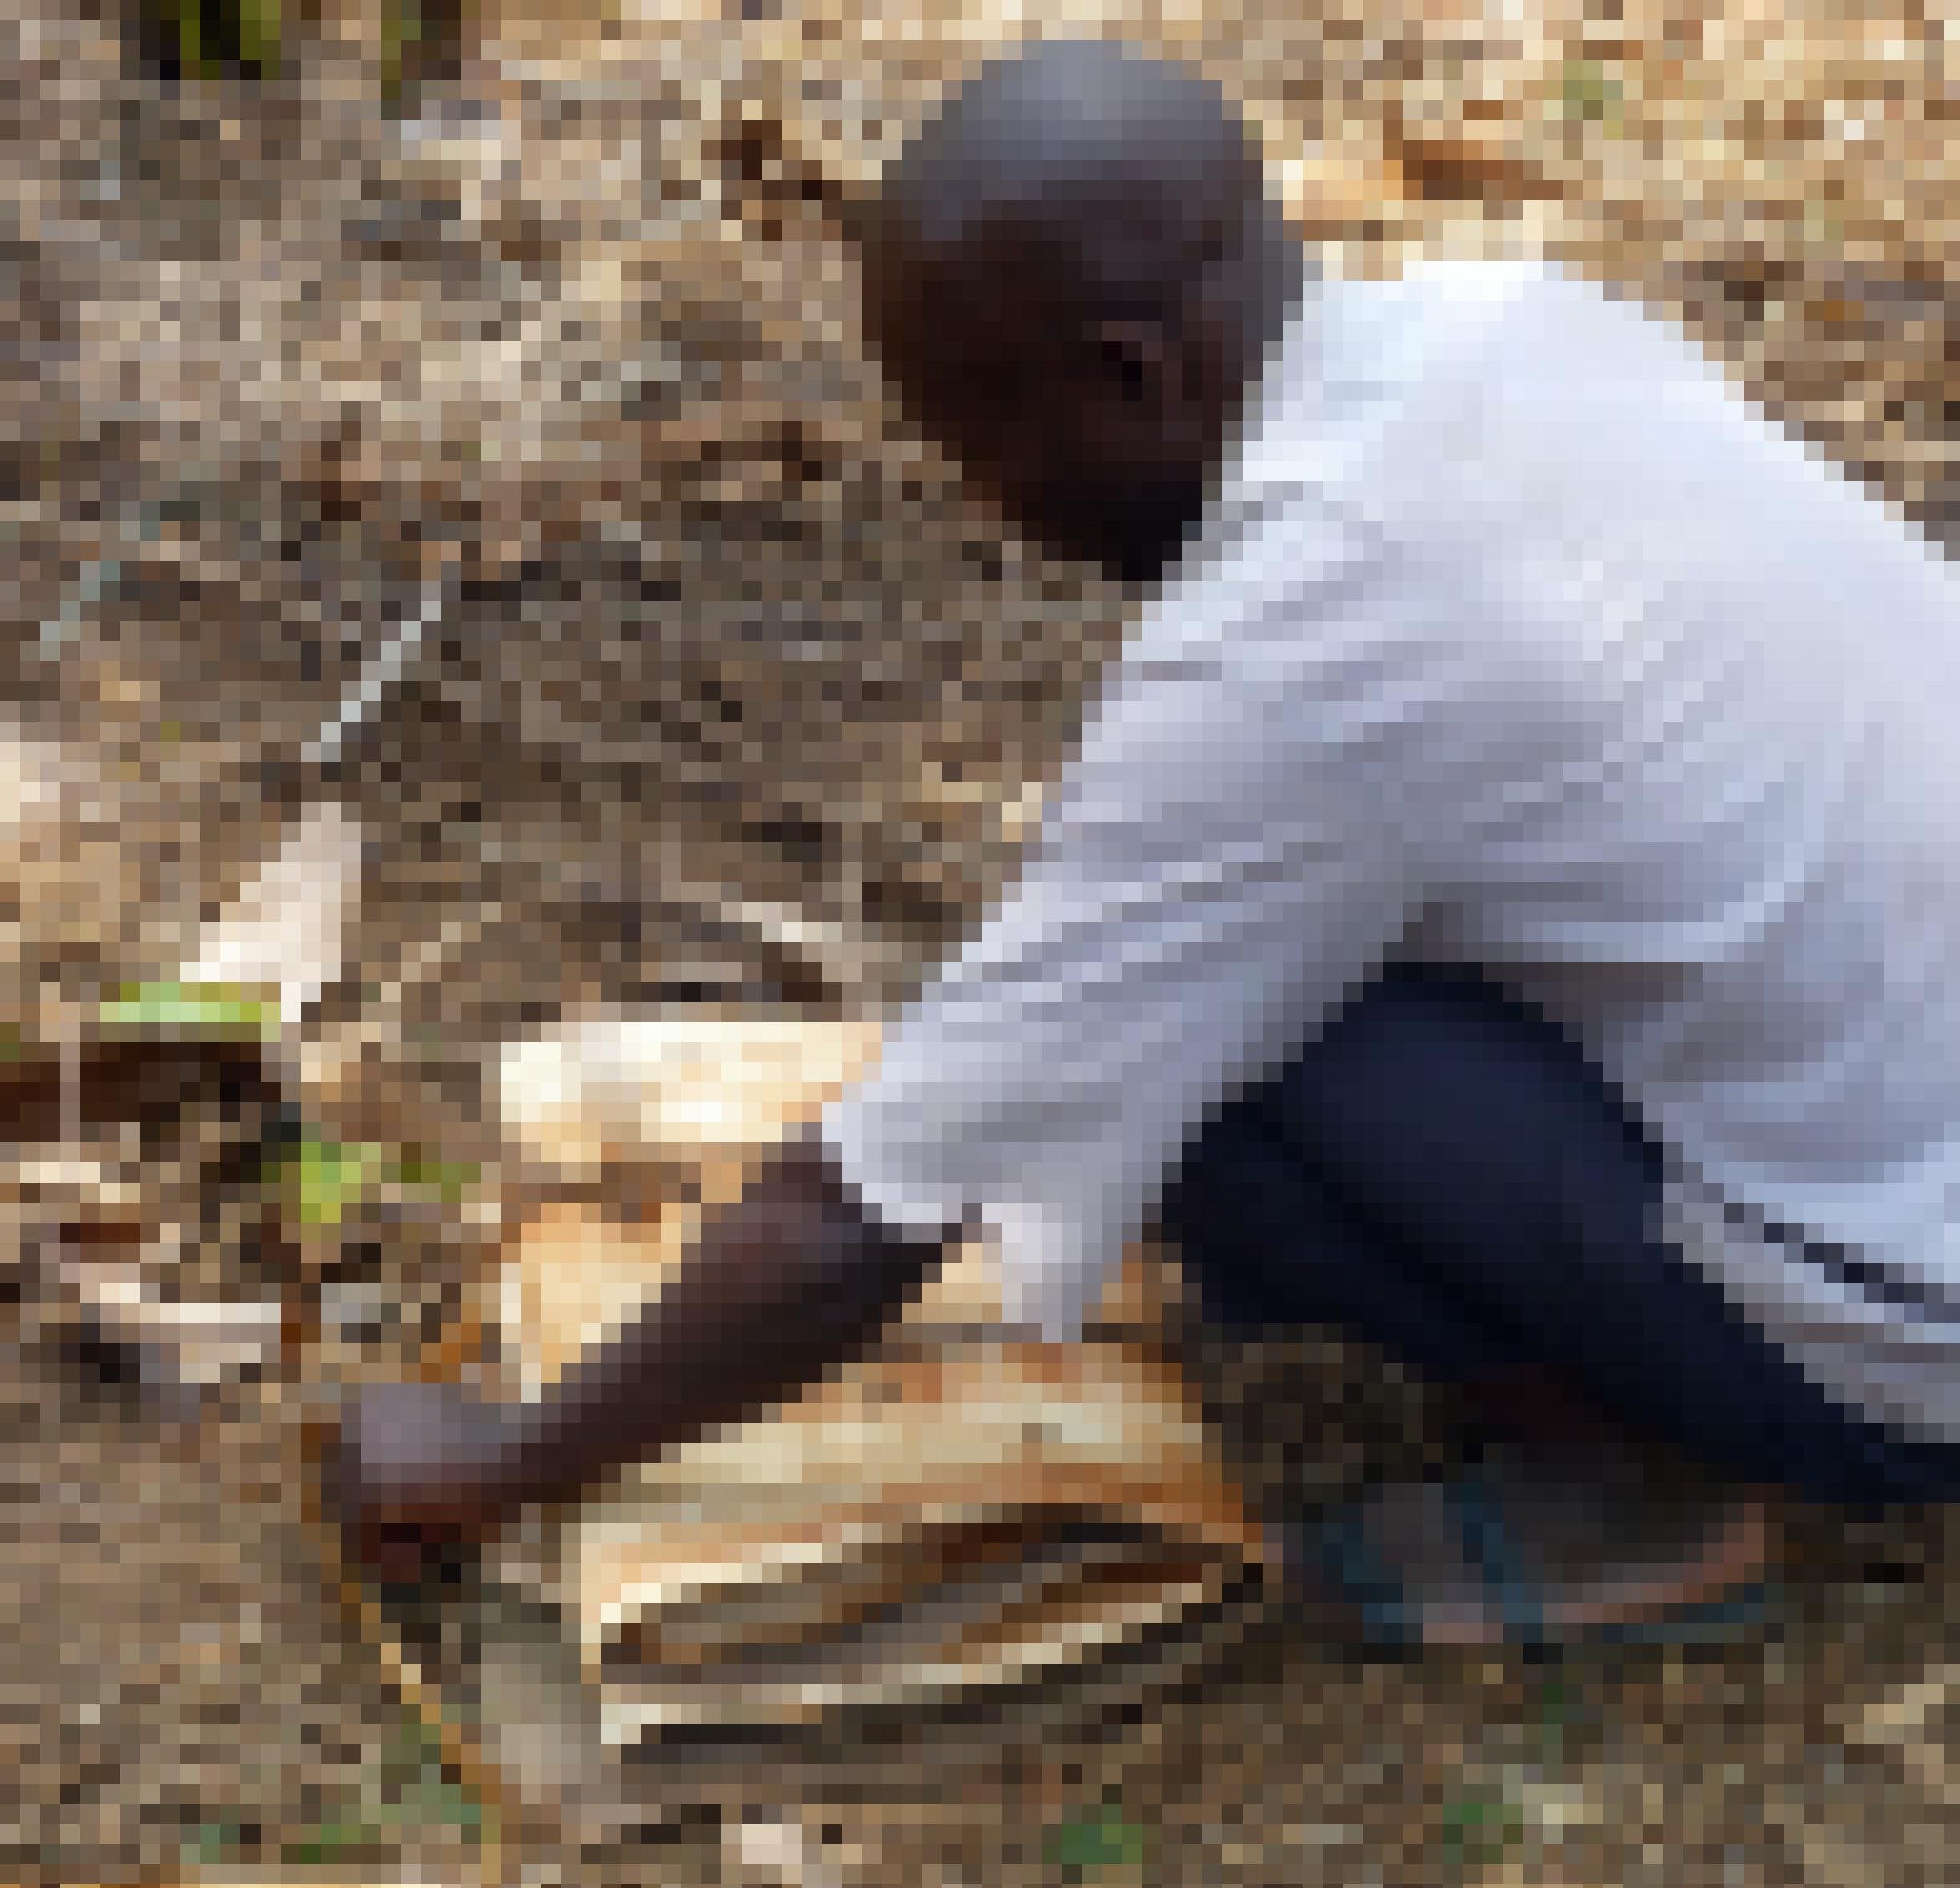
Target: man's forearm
(788, 1282)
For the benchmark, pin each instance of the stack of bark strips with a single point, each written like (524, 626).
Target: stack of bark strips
(966, 1511)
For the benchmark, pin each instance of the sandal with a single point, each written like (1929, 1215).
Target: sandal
(1488, 1558)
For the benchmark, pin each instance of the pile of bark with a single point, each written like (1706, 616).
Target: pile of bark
(967, 1508)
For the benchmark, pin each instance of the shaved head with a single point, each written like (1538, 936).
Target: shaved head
(1072, 272)
(1050, 135)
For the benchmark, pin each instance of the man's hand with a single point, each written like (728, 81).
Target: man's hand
(418, 1469)
(787, 1283)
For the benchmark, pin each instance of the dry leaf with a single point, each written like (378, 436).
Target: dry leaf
(696, 1085)
(284, 931)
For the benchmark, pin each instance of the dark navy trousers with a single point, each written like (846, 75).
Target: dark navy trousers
(1444, 1175)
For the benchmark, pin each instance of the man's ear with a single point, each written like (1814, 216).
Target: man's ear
(1139, 356)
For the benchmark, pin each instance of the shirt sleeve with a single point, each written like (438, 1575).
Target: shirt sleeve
(1247, 826)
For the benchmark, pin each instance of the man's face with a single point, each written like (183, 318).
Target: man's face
(1098, 437)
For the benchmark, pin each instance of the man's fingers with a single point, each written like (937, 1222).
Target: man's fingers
(411, 1477)
(407, 1555)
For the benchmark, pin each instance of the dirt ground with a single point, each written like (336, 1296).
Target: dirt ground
(731, 646)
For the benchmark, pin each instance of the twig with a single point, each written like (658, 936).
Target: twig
(381, 673)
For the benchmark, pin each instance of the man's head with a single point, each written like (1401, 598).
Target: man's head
(1072, 276)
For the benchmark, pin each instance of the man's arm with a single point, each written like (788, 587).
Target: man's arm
(785, 1283)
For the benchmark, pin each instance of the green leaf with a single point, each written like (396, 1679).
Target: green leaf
(441, 1800)
(400, 33)
(328, 1177)
(1480, 1828)
(413, 1741)
(416, 1789)
(190, 37)
(329, 1842)
(214, 1841)
(1103, 1838)
(211, 1010)
(450, 1181)
(258, 35)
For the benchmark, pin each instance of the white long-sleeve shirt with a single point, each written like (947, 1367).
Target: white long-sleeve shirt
(1516, 638)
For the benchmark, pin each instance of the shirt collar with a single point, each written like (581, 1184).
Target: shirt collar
(1351, 352)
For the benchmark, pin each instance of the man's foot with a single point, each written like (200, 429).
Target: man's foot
(1519, 1551)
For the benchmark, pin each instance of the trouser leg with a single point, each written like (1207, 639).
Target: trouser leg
(1444, 1174)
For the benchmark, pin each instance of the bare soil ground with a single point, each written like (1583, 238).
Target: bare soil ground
(730, 642)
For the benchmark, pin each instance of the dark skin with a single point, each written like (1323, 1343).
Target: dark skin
(1096, 433)
(1097, 436)
(790, 1280)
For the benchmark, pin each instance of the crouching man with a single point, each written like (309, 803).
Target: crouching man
(1505, 902)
